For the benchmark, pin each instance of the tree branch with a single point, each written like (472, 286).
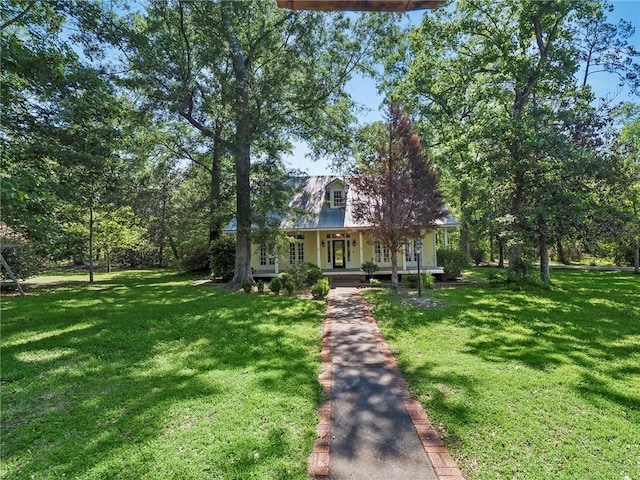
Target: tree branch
(18, 16)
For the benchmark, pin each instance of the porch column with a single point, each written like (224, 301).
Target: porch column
(360, 245)
(318, 255)
(446, 237)
(276, 265)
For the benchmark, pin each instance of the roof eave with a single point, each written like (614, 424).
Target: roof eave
(360, 5)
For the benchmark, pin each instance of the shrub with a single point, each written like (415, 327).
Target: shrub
(313, 274)
(496, 276)
(223, 257)
(369, 268)
(411, 280)
(304, 274)
(320, 289)
(452, 262)
(290, 286)
(195, 255)
(374, 282)
(247, 286)
(275, 285)
(522, 270)
(428, 281)
(477, 255)
(260, 286)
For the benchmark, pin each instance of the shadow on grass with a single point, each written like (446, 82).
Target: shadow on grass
(592, 322)
(588, 319)
(88, 369)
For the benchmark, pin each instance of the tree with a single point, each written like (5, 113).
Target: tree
(116, 230)
(626, 151)
(63, 122)
(498, 85)
(397, 194)
(249, 77)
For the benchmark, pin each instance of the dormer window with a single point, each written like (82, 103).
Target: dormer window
(336, 194)
(338, 199)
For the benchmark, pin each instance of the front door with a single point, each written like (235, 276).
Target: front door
(338, 254)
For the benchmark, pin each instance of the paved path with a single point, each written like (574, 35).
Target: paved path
(370, 428)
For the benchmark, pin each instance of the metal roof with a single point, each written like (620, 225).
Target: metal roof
(310, 197)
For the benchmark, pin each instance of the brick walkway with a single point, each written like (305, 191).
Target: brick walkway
(378, 430)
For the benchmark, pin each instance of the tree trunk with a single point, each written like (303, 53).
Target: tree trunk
(543, 250)
(216, 174)
(108, 255)
(91, 244)
(394, 270)
(163, 228)
(176, 255)
(465, 243)
(636, 258)
(517, 203)
(243, 218)
(244, 120)
(561, 256)
(500, 253)
(491, 248)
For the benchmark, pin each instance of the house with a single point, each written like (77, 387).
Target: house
(329, 236)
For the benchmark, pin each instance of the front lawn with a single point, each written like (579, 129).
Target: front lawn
(147, 375)
(528, 384)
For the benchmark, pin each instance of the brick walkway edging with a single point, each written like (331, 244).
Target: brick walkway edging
(318, 462)
(443, 464)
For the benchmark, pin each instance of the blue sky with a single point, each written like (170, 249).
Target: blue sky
(364, 90)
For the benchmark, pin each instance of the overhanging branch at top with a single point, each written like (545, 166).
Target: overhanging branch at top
(360, 5)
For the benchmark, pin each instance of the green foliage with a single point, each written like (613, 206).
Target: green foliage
(116, 231)
(428, 280)
(245, 410)
(497, 276)
(369, 268)
(195, 255)
(22, 260)
(477, 255)
(290, 286)
(222, 259)
(275, 285)
(320, 289)
(304, 274)
(522, 270)
(374, 282)
(247, 286)
(260, 286)
(452, 261)
(411, 280)
(313, 274)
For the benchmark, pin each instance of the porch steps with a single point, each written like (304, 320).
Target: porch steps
(347, 281)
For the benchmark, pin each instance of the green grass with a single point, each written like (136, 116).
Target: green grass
(146, 375)
(528, 383)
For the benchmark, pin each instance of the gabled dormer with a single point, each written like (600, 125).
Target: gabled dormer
(336, 194)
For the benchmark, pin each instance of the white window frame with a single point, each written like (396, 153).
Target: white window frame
(410, 254)
(266, 256)
(382, 255)
(296, 250)
(338, 198)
